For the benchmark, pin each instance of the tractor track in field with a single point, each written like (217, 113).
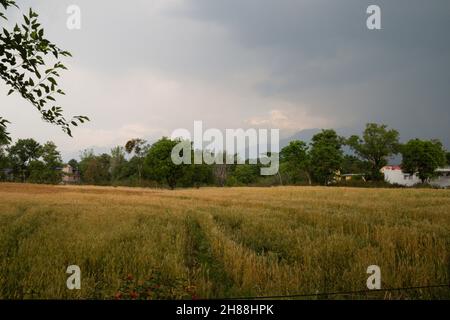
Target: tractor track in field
(199, 256)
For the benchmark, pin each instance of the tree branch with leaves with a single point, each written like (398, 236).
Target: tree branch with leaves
(30, 65)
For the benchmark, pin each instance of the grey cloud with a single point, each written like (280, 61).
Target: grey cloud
(321, 53)
(235, 60)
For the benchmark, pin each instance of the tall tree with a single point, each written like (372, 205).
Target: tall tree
(423, 158)
(296, 159)
(118, 163)
(326, 156)
(140, 149)
(159, 165)
(4, 161)
(377, 144)
(353, 164)
(52, 163)
(222, 171)
(85, 156)
(447, 155)
(4, 136)
(202, 174)
(196, 175)
(95, 169)
(30, 65)
(21, 154)
(246, 173)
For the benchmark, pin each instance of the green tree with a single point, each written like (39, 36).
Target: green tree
(423, 158)
(36, 169)
(159, 166)
(376, 146)
(118, 163)
(22, 154)
(326, 156)
(353, 164)
(85, 157)
(30, 65)
(246, 173)
(140, 149)
(52, 162)
(196, 175)
(223, 171)
(130, 173)
(4, 160)
(4, 137)
(48, 168)
(3, 145)
(95, 169)
(202, 175)
(447, 155)
(296, 160)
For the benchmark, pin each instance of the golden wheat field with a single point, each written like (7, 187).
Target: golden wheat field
(221, 242)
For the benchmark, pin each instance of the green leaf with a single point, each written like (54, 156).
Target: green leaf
(52, 80)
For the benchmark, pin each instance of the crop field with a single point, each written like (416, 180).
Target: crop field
(222, 242)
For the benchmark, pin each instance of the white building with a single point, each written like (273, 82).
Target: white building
(443, 179)
(395, 175)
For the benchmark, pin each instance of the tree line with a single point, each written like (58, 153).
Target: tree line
(139, 163)
(366, 155)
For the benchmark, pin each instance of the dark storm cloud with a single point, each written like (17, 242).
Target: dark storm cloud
(321, 52)
(284, 64)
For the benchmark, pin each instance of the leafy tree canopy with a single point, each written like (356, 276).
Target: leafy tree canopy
(159, 165)
(140, 149)
(326, 155)
(423, 158)
(352, 164)
(296, 159)
(21, 154)
(376, 145)
(48, 168)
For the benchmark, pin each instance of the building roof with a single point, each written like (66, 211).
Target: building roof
(395, 168)
(391, 168)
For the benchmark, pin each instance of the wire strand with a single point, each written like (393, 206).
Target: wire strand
(341, 293)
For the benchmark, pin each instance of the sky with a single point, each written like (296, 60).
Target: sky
(144, 68)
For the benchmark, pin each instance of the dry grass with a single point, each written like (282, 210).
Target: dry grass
(225, 242)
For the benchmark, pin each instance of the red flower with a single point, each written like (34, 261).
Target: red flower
(134, 295)
(129, 277)
(118, 296)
